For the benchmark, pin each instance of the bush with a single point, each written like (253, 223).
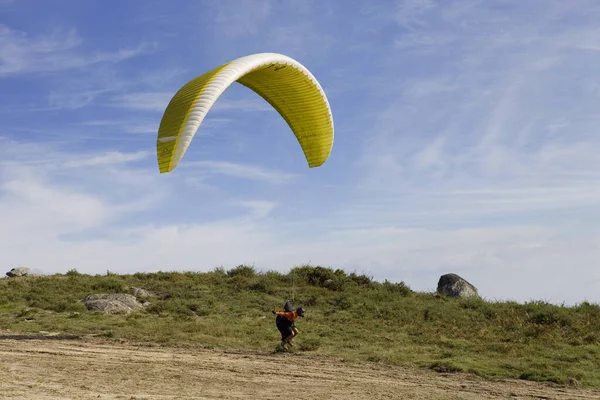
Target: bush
(342, 302)
(549, 315)
(360, 280)
(242, 270)
(261, 286)
(319, 277)
(348, 315)
(397, 288)
(315, 276)
(111, 285)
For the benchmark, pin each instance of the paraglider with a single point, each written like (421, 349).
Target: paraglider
(283, 82)
(285, 322)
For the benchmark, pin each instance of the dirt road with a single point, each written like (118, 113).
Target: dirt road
(60, 368)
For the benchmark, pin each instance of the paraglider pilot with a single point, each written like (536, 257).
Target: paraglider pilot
(285, 322)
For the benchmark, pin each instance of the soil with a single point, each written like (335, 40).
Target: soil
(61, 367)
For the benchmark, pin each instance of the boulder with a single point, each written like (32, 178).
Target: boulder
(140, 292)
(112, 303)
(18, 271)
(452, 285)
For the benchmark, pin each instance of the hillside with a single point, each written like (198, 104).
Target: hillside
(348, 316)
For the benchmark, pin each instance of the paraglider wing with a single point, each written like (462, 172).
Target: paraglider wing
(282, 81)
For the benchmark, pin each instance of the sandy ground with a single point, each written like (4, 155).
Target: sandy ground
(62, 368)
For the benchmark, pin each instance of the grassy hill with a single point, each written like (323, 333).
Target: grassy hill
(348, 315)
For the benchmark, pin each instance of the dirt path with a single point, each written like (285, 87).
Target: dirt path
(86, 369)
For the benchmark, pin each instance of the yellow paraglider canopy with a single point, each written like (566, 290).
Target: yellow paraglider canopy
(282, 81)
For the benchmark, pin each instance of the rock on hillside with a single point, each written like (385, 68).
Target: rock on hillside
(140, 292)
(112, 303)
(452, 285)
(18, 271)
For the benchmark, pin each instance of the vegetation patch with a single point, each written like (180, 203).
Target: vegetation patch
(348, 315)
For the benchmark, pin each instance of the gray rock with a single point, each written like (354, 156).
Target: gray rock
(139, 292)
(18, 271)
(112, 303)
(452, 285)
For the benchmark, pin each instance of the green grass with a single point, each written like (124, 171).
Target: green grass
(348, 315)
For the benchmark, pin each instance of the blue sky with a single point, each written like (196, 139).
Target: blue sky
(466, 141)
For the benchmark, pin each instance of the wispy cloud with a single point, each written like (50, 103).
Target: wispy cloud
(148, 101)
(423, 42)
(44, 200)
(409, 13)
(158, 102)
(259, 209)
(100, 122)
(431, 156)
(242, 171)
(302, 40)
(465, 143)
(489, 108)
(234, 20)
(149, 128)
(109, 158)
(38, 205)
(52, 52)
(135, 127)
(49, 158)
(107, 85)
(75, 99)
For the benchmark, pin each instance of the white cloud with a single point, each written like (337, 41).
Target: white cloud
(148, 101)
(518, 262)
(31, 205)
(158, 102)
(301, 40)
(483, 138)
(51, 52)
(74, 99)
(424, 41)
(242, 171)
(235, 21)
(259, 209)
(54, 224)
(134, 127)
(150, 128)
(409, 12)
(109, 158)
(100, 122)
(431, 155)
(41, 198)
(106, 82)
(417, 88)
(479, 156)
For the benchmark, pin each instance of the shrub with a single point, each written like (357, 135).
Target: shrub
(342, 302)
(360, 280)
(242, 270)
(397, 288)
(261, 286)
(108, 285)
(320, 277)
(549, 317)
